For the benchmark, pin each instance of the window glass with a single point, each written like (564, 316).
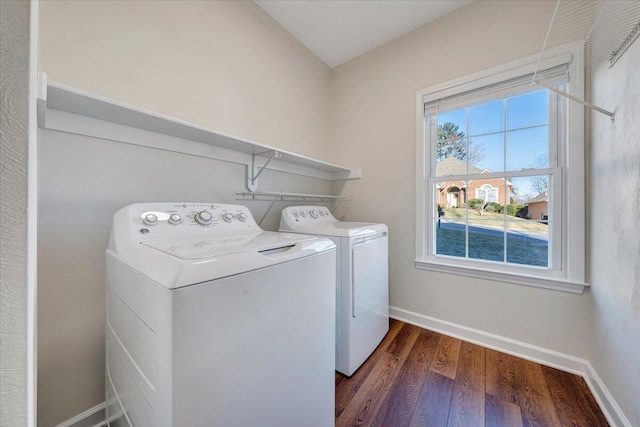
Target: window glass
(494, 217)
(487, 153)
(531, 109)
(528, 148)
(486, 118)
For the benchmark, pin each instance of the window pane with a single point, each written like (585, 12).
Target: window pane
(450, 238)
(531, 192)
(487, 196)
(486, 118)
(450, 219)
(486, 152)
(486, 238)
(457, 118)
(527, 242)
(528, 221)
(528, 110)
(451, 142)
(528, 148)
(452, 194)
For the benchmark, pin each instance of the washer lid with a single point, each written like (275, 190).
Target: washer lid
(196, 248)
(175, 263)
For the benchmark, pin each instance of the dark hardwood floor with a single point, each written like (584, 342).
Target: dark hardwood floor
(418, 377)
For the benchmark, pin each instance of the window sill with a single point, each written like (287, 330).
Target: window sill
(553, 283)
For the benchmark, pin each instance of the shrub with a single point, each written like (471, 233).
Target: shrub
(495, 207)
(513, 208)
(474, 202)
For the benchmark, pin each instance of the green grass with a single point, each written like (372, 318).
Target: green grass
(488, 244)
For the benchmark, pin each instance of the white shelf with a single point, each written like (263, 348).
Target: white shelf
(71, 110)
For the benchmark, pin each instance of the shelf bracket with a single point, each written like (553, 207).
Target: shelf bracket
(273, 202)
(578, 100)
(253, 172)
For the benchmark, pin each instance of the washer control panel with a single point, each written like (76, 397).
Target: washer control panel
(311, 215)
(166, 220)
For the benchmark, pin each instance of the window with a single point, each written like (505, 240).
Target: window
(487, 193)
(499, 164)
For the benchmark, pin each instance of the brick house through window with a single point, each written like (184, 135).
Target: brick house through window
(538, 207)
(454, 194)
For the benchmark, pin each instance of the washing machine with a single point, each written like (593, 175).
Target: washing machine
(362, 280)
(212, 321)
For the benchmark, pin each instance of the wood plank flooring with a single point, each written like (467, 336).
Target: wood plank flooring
(418, 377)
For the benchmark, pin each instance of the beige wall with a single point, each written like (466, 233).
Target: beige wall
(373, 128)
(14, 116)
(223, 65)
(614, 321)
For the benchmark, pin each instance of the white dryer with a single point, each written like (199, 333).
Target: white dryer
(213, 322)
(362, 280)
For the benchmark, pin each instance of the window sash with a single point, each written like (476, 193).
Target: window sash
(555, 221)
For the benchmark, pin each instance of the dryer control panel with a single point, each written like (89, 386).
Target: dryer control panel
(151, 221)
(308, 215)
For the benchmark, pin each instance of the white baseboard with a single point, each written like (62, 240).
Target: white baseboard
(607, 403)
(93, 417)
(541, 355)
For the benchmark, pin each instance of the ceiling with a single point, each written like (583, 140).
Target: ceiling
(339, 30)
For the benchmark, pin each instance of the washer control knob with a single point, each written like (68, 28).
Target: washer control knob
(314, 214)
(296, 215)
(203, 218)
(303, 214)
(175, 219)
(150, 219)
(227, 217)
(242, 216)
(322, 213)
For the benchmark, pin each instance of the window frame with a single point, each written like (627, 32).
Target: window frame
(567, 169)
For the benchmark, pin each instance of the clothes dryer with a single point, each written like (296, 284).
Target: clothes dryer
(362, 280)
(212, 321)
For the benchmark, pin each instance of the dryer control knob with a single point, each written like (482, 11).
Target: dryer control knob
(303, 214)
(242, 216)
(150, 219)
(322, 213)
(227, 217)
(203, 218)
(314, 214)
(296, 215)
(175, 219)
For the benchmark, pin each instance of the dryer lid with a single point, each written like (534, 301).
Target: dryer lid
(318, 220)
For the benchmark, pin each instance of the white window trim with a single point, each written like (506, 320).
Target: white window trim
(571, 276)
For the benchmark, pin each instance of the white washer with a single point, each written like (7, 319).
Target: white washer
(362, 280)
(213, 322)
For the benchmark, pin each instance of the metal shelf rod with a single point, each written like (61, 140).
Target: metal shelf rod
(281, 196)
